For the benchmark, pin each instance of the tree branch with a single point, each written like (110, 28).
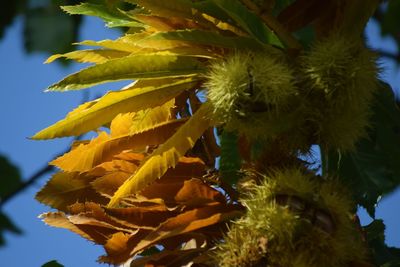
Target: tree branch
(23, 186)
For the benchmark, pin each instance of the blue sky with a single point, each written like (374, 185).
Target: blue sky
(26, 109)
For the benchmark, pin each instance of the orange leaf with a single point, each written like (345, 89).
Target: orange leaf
(64, 189)
(103, 148)
(167, 155)
(189, 221)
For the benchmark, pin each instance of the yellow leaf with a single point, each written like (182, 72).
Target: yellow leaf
(89, 56)
(125, 43)
(103, 148)
(167, 155)
(60, 220)
(89, 117)
(121, 124)
(64, 189)
(146, 119)
(143, 66)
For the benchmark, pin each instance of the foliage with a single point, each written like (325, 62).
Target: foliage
(9, 182)
(52, 263)
(148, 188)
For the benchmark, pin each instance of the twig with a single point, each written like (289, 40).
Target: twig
(26, 184)
(389, 55)
(274, 25)
(36, 176)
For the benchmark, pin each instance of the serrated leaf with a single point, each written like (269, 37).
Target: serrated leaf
(103, 148)
(123, 44)
(60, 220)
(147, 119)
(248, 21)
(113, 18)
(189, 221)
(64, 189)
(140, 96)
(90, 56)
(166, 155)
(158, 65)
(205, 38)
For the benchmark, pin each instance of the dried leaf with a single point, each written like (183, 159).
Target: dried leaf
(64, 189)
(167, 155)
(103, 148)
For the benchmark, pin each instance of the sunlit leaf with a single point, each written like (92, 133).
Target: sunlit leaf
(205, 38)
(103, 110)
(129, 68)
(64, 189)
(114, 18)
(145, 120)
(90, 56)
(189, 221)
(103, 148)
(60, 220)
(167, 155)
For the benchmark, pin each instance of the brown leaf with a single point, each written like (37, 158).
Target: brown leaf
(189, 221)
(60, 220)
(168, 258)
(103, 148)
(141, 217)
(66, 188)
(118, 247)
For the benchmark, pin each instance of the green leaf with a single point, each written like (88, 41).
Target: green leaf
(206, 38)
(155, 65)
(373, 170)
(383, 255)
(230, 162)
(7, 225)
(48, 29)
(92, 115)
(9, 10)
(90, 56)
(113, 18)
(52, 263)
(391, 18)
(248, 21)
(10, 178)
